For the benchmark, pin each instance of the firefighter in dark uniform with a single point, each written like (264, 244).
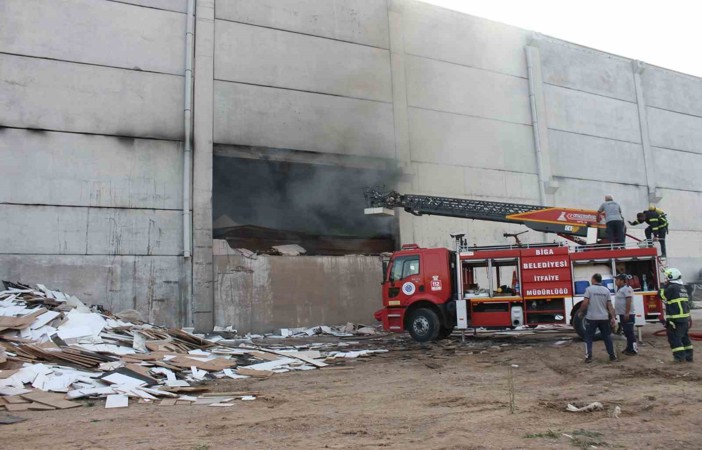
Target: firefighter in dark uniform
(677, 315)
(657, 222)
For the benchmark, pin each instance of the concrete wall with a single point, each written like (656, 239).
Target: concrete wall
(91, 101)
(274, 292)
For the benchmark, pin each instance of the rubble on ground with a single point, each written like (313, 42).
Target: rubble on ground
(54, 350)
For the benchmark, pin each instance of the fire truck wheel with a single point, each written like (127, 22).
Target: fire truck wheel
(445, 332)
(424, 325)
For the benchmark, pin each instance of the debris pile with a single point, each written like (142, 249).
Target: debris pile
(54, 349)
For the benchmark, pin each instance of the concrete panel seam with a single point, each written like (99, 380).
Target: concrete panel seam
(674, 112)
(453, 63)
(594, 136)
(160, 255)
(90, 207)
(46, 58)
(51, 130)
(589, 92)
(302, 90)
(679, 150)
(599, 181)
(470, 115)
(146, 6)
(301, 33)
(521, 172)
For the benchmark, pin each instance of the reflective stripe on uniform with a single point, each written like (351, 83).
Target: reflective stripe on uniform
(678, 349)
(688, 347)
(678, 316)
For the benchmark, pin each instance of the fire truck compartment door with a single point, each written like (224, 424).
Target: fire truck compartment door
(461, 314)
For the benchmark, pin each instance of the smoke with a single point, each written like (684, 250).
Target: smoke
(312, 198)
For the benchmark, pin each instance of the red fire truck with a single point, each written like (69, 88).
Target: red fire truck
(431, 291)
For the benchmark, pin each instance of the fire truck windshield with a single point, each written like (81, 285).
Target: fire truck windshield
(404, 266)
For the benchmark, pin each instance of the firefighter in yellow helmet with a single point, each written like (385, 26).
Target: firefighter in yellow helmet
(657, 222)
(677, 315)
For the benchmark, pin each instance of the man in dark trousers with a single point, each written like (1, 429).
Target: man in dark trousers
(624, 307)
(599, 313)
(677, 315)
(614, 219)
(657, 222)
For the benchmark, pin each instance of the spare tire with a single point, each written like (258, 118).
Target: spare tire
(579, 325)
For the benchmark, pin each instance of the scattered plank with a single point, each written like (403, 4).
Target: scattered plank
(47, 398)
(254, 373)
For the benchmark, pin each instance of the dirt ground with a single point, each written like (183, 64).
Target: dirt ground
(446, 395)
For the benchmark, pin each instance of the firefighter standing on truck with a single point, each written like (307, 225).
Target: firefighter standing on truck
(677, 315)
(657, 222)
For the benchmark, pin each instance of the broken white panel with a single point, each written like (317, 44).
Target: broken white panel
(117, 401)
(163, 371)
(197, 373)
(312, 354)
(230, 373)
(248, 398)
(74, 332)
(58, 383)
(187, 398)
(270, 365)
(139, 343)
(79, 307)
(158, 392)
(117, 323)
(43, 334)
(80, 320)
(111, 365)
(9, 391)
(199, 352)
(177, 383)
(44, 319)
(47, 292)
(211, 400)
(107, 348)
(118, 378)
(89, 392)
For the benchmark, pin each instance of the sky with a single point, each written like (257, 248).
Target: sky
(664, 33)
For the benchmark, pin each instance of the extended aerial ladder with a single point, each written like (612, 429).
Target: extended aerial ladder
(569, 223)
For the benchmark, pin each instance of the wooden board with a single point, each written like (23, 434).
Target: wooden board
(48, 398)
(15, 399)
(254, 373)
(168, 402)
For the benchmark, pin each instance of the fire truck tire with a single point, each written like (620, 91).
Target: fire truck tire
(424, 325)
(445, 332)
(579, 325)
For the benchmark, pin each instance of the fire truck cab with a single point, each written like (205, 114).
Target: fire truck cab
(431, 291)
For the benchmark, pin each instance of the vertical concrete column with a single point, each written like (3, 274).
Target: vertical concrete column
(401, 121)
(547, 186)
(653, 193)
(203, 276)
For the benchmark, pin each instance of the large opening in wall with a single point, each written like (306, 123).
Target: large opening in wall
(262, 200)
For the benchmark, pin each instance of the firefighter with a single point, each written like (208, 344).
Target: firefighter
(657, 222)
(677, 315)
